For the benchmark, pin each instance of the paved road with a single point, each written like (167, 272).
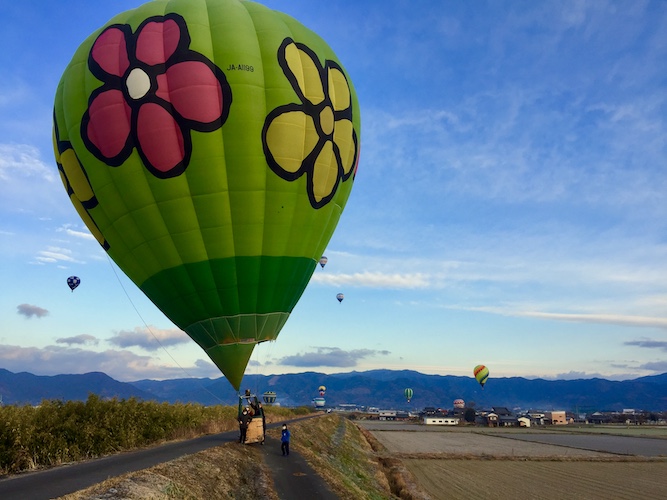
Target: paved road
(59, 481)
(293, 478)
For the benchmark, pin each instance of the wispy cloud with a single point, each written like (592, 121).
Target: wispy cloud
(150, 338)
(602, 318)
(56, 255)
(83, 339)
(374, 280)
(30, 311)
(330, 356)
(648, 344)
(612, 319)
(22, 161)
(119, 364)
(67, 229)
(28, 184)
(655, 366)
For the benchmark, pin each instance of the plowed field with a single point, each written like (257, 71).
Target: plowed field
(461, 463)
(544, 480)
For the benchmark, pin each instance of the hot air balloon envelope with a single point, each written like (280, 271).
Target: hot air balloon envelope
(73, 282)
(408, 394)
(459, 403)
(323, 261)
(269, 397)
(210, 146)
(340, 297)
(481, 373)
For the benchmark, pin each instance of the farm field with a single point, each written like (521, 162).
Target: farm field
(469, 462)
(653, 431)
(420, 439)
(546, 480)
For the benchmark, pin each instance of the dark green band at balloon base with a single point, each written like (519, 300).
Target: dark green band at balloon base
(229, 288)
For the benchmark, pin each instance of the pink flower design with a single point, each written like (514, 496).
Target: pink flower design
(155, 91)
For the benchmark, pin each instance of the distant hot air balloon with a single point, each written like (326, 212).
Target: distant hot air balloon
(323, 261)
(319, 402)
(210, 146)
(269, 397)
(73, 282)
(408, 394)
(481, 374)
(322, 390)
(459, 403)
(340, 297)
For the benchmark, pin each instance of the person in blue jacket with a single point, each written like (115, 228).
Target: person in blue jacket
(284, 440)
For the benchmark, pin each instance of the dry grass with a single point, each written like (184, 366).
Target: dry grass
(223, 472)
(333, 446)
(338, 451)
(402, 482)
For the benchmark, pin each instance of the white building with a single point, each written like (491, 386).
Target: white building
(524, 421)
(433, 420)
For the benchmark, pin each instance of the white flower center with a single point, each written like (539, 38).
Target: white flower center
(138, 83)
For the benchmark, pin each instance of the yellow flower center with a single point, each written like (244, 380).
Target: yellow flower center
(327, 120)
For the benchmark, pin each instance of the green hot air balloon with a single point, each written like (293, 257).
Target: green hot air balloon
(210, 146)
(408, 394)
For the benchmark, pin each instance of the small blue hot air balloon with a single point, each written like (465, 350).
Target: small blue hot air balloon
(323, 260)
(340, 297)
(73, 282)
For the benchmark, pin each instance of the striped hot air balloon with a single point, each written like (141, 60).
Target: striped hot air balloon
(481, 374)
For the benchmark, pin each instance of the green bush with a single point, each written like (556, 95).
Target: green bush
(56, 432)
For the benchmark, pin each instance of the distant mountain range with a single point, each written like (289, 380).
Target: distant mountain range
(378, 388)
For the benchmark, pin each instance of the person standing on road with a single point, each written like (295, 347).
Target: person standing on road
(243, 425)
(284, 440)
(261, 410)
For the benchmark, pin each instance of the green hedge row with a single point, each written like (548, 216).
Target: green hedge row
(57, 432)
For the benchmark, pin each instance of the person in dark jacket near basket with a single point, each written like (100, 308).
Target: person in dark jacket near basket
(284, 440)
(244, 420)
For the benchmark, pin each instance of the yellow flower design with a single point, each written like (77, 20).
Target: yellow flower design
(76, 183)
(317, 136)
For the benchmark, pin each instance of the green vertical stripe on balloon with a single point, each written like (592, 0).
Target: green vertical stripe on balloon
(243, 285)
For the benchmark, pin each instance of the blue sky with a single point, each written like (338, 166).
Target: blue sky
(509, 209)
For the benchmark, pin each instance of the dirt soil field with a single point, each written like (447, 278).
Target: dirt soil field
(544, 480)
(463, 464)
(467, 444)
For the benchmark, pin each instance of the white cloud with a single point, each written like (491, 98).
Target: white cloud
(86, 235)
(31, 311)
(150, 338)
(22, 161)
(601, 318)
(374, 280)
(83, 339)
(612, 319)
(56, 254)
(649, 344)
(119, 364)
(30, 185)
(330, 356)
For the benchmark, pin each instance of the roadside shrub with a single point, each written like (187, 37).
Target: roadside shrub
(57, 432)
